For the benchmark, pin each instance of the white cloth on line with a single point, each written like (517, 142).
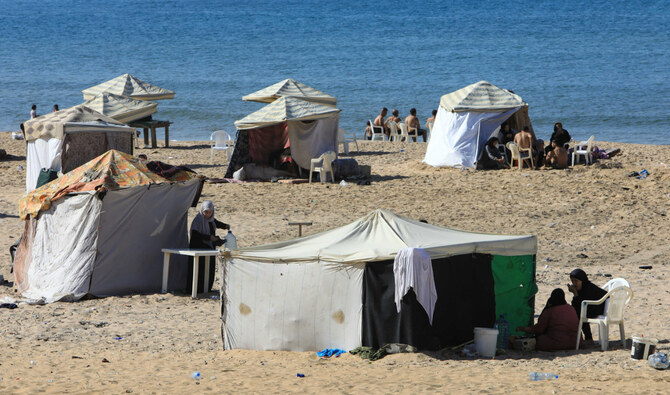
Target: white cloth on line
(412, 268)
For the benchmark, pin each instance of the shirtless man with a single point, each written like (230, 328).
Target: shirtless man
(413, 123)
(524, 140)
(431, 119)
(557, 157)
(379, 121)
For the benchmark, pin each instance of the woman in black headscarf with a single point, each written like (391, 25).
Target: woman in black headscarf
(492, 158)
(556, 329)
(203, 236)
(583, 289)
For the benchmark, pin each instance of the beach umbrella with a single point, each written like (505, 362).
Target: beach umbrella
(285, 109)
(130, 86)
(121, 108)
(292, 88)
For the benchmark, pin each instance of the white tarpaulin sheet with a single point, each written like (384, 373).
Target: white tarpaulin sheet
(458, 138)
(305, 307)
(311, 139)
(41, 154)
(64, 249)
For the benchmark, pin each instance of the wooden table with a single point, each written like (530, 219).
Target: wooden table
(300, 225)
(152, 125)
(195, 254)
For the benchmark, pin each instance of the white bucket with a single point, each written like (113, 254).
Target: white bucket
(642, 347)
(485, 341)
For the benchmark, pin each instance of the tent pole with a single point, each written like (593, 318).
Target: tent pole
(479, 127)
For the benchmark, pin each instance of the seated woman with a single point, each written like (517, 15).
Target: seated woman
(203, 236)
(560, 136)
(556, 329)
(583, 289)
(492, 158)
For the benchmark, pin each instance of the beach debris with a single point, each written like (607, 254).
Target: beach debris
(32, 362)
(105, 360)
(343, 183)
(77, 357)
(582, 255)
(535, 376)
(645, 267)
(20, 167)
(10, 306)
(551, 225)
(118, 338)
(196, 375)
(470, 351)
(299, 375)
(330, 352)
(659, 361)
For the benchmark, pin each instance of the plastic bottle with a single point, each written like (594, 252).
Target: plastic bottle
(659, 361)
(535, 376)
(503, 332)
(195, 375)
(231, 241)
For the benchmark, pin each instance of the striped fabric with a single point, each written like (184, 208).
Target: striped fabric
(130, 86)
(481, 96)
(122, 108)
(290, 87)
(52, 125)
(285, 109)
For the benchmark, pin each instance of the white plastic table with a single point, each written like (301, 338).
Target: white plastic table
(195, 254)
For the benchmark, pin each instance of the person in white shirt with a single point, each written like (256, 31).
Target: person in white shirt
(33, 112)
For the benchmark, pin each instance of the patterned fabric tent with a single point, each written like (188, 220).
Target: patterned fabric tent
(481, 96)
(289, 87)
(130, 86)
(285, 109)
(112, 170)
(121, 108)
(52, 125)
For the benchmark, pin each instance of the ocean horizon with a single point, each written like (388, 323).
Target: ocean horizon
(601, 68)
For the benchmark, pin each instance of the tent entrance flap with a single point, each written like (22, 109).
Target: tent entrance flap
(465, 300)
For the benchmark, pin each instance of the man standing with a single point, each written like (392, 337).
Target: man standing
(379, 121)
(33, 112)
(413, 123)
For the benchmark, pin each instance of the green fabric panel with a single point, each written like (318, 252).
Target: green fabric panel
(515, 289)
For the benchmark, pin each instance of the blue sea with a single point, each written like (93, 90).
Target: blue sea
(600, 67)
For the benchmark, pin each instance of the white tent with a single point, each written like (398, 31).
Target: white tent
(307, 293)
(99, 230)
(123, 109)
(311, 129)
(292, 88)
(68, 138)
(465, 120)
(129, 86)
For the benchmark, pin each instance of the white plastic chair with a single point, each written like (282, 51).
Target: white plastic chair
(345, 138)
(377, 131)
(429, 125)
(220, 140)
(393, 128)
(617, 297)
(520, 155)
(404, 135)
(583, 148)
(324, 165)
(413, 132)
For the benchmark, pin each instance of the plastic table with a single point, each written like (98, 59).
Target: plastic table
(195, 254)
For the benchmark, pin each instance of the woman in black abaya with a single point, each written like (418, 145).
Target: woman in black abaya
(583, 289)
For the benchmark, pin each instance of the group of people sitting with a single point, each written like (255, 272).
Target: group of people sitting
(385, 125)
(557, 326)
(554, 155)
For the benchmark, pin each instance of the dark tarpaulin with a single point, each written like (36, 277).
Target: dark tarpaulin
(465, 300)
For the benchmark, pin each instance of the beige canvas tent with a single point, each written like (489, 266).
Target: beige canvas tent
(293, 88)
(123, 109)
(309, 129)
(66, 139)
(336, 288)
(129, 86)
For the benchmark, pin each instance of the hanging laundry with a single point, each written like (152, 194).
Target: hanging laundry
(412, 268)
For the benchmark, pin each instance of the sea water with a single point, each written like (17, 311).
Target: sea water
(600, 67)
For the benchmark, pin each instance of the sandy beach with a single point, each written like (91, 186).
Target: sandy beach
(593, 217)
